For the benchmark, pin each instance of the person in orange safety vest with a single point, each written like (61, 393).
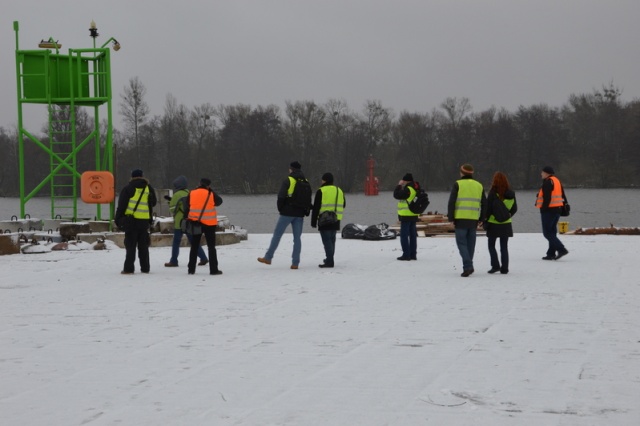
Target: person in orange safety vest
(549, 200)
(200, 206)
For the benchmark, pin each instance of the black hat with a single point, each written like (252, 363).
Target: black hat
(328, 178)
(548, 170)
(295, 165)
(408, 177)
(205, 182)
(136, 173)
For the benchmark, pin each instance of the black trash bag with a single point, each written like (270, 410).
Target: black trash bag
(353, 231)
(379, 232)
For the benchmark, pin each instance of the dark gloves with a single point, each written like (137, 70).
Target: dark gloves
(166, 197)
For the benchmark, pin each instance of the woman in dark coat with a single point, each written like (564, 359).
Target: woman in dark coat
(501, 206)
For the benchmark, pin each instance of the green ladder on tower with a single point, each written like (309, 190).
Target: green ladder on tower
(62, 156)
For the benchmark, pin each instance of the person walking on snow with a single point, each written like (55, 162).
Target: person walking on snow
(466, 208)
(501, 196)
(549, 200)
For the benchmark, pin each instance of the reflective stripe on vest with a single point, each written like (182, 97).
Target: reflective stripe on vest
(556, 194)
(197, 198)
(142, 211)
(292, 186)
(403, 205)
(508, 203)
(329, 200)
(468, 202)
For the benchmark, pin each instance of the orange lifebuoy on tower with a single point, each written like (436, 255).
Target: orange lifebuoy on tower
(97, 187)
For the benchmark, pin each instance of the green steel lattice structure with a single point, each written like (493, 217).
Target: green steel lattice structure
(81, 78)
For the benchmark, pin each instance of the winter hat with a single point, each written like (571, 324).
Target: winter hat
(408, 177)
(136, 173)
(467, 169)
(205, 182)
(295, 165)
(180, 183)
(328, 178)
(548, 170)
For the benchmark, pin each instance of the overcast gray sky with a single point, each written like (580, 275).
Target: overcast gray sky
(408, 54)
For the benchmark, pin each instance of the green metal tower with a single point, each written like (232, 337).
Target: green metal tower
(62, 83)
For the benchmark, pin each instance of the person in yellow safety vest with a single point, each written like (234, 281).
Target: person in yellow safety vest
(200, 206)
(549, 200)
(329, 198)
(501, 198)
(134, 215)
(404, 193)
(466, 209)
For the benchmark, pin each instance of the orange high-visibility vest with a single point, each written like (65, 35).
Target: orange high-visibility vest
(197, 198)
(556, 194)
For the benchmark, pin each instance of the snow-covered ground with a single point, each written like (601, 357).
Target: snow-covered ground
(374, 341)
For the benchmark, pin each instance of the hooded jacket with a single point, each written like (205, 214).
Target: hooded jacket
(175, 204)
(284, 207)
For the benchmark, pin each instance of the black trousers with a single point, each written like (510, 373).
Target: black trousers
(136, 237)
(210, 236)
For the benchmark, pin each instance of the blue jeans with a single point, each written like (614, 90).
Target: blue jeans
(408, 239)
(550, 231)
(281, 226)
(329, 243)
(175, 247)
(466, 242)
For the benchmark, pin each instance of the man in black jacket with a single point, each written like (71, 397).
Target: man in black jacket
(134, 215)
(329, 198)
(466, 209)
(290, 214)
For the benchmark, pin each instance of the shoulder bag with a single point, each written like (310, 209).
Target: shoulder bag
(194, 227)
(329, 217)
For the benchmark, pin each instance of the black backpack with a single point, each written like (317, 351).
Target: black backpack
(301, 196)
(499, 210)
(420, 202)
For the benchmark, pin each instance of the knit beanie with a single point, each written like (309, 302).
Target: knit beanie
(295, 165)
(328, 178)
(408, 177)
(467, 169)
(136, 173)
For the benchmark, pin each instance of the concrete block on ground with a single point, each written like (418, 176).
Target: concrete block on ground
(94, 237)
(69, 230)
(53, 237)
(165, 227)
(52, 224)
(21, 225)
(99, 225)
(9, 244)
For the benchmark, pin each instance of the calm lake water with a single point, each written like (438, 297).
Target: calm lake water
(258, 214)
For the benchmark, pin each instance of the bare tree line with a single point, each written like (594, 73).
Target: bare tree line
(592, 141)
